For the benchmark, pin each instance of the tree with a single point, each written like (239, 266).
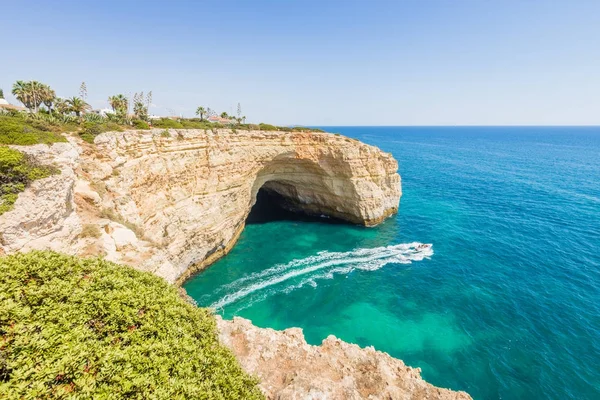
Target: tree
(1, 94)
(19, 90)
(140, 110)
(83, 91)
(201, 112)
(148, 101)
(61, 106)
(37, 90)
(48, 97)
(119, 104)
(224, 115)
(28, 93)
(78, 106)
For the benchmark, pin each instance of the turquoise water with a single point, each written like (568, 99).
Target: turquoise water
(507, 305)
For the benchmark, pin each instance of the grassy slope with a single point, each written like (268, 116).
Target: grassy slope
(87, 328)
(24, 131)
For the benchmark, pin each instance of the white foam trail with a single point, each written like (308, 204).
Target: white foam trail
(333, 263)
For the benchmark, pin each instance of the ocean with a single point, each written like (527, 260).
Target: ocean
(506, 302)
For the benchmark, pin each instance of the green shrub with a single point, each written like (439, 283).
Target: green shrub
(87, 137)
(267, 127)
(92, 129)
(196, 124)
(165, 133)
(305, 129)
(18, 129)
(17, 170)
(74, 328)
(139, 124)
(167, 123)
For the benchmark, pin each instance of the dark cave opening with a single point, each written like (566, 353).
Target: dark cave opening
(270, 207)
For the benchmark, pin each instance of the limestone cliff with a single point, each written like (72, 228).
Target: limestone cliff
(172, 202)
(289, 368)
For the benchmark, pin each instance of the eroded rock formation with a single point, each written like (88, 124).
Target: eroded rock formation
(172, 202)
(289, 368)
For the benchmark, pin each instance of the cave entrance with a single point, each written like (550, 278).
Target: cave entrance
(271, 206)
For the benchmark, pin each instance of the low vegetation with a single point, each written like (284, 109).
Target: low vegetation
(50, 115)
(90, 230)
(92, 129)
(22, 129)
(17, 170)
(90, 329)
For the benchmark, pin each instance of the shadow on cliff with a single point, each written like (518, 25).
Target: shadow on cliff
(271, 206)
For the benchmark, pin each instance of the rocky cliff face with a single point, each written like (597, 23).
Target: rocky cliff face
(172, 202)
(289, 368)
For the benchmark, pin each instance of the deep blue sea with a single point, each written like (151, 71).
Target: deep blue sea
(507, 303)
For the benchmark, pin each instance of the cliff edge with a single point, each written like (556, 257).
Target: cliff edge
(289, 368)
(173, 201)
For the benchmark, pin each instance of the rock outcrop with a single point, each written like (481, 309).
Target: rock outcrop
(172, 202)
(289, 368)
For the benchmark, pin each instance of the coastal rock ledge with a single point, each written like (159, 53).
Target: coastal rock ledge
(174, 201)
(289, 368)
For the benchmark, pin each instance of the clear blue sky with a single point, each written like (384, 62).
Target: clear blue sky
(336, 62)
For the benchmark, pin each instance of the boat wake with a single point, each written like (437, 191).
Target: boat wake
(324, 265)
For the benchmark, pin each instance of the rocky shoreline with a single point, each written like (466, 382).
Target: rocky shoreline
(289, 368)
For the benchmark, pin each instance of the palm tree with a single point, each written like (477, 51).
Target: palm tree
(77, 105)
(61, 106)
(119, 104)
(19, 90)
(36, 89)
(201, 112)
(48, 97)
(224, 115)
(29, 93)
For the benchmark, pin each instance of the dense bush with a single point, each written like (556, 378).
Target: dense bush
(139, 124)
(90, 329)
(267, 127)
(21, 130)
(17, 170)
(305, 129)
(92, 129)
(191, 124)
(167, 123)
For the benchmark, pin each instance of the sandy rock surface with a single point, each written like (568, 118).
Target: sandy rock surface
(289, 368)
